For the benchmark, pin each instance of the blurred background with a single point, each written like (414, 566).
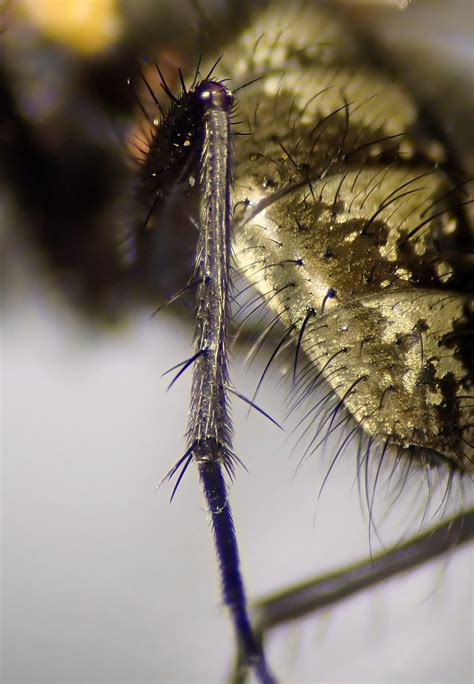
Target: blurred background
(102, 579)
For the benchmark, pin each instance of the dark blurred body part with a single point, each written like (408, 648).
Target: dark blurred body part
(66, 112)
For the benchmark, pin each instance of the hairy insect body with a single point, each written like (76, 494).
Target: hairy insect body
(348, 222)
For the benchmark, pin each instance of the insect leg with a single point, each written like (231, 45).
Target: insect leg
(209, 431)
(325, 590)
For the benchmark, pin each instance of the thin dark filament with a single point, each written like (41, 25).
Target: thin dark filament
(177, 295)
(341, 402)
(307, 415)
(183, 365)
(303, 384)
(374, 142)
(453, 190)
(170, 474)
(287, 333)
(196, 72)
(324, 440)
(386, 204)
(213, 68)
(322, 370)
(371, 502)
(247, 84)
(266, 333)
(181, 80)
(152, 94)
(255, 406)
(140, 105)
(181, 475)
(311, 385)
(310, 449)
(165, 86)
(422, 224)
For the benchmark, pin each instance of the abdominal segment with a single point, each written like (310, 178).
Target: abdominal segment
(351, 224)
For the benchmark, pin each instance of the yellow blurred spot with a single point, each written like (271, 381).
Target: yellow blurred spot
(87, 26)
